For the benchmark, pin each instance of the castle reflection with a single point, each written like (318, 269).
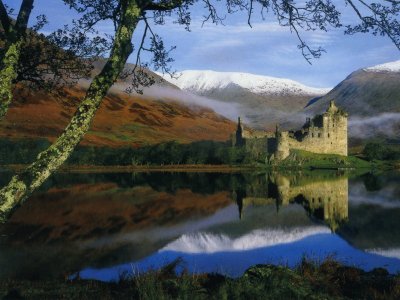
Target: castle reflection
(325, 198)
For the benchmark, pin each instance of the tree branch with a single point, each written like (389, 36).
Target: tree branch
(23, 16)
(4, 19)
(250, 12)
(378, 19)
(141, 47)
(163, 6)
(356, 10)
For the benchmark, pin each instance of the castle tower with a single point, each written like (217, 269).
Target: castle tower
(335, 129)
(239, 134)
(282, 144)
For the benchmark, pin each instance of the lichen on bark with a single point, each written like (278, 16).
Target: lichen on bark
(8, 74)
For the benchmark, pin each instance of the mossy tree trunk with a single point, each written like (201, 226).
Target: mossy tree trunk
(9, 62)
(8, 74)
(21, 186)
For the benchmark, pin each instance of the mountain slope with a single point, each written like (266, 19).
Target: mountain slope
(263, 100)
(365, 92)
(122, 119)
(371, 96)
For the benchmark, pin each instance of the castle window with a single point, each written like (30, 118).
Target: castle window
(333, 125)
(329, 135)
(319, 135)
(312, 134)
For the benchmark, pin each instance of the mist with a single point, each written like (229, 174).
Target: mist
(385, 124)
(228, 110)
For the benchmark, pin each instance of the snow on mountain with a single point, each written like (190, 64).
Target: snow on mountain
(211, 243)
(393, 252)
(393, 66)
(201, 82)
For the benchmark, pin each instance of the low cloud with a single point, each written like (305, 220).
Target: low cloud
(228, 110)
(386, 124)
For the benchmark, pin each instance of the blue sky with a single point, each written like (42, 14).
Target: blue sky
(265, 49)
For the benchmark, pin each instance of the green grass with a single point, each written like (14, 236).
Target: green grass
(309, 160)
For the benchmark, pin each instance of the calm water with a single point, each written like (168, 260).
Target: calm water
(102, 225)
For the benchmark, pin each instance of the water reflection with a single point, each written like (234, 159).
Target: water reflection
(102, 223)
(324, 198)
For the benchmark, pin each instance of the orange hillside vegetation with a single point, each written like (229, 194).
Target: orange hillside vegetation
(122, 120)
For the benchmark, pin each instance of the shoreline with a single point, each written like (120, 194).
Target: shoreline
(128, 169)
(202, 168)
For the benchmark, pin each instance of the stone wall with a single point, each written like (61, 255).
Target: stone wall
(324, 198)
(326, 133)
(327, 200)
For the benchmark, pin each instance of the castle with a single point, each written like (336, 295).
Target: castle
(324, 197)
(326, 133)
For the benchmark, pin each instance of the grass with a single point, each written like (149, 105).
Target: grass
(309, 160)
(309, 280)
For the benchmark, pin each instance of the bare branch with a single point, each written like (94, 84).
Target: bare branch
(23, 16)
(212, 14)
(4, 19)
(380, 22)
(250, 13)
(141, 47)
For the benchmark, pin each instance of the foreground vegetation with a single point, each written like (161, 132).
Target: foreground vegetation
(329, 280)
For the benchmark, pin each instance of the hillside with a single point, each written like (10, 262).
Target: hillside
(262, 101)
(122, 120)
(372, 98)
(365, 92)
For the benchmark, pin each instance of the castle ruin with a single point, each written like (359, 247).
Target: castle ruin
(326, 133)
(324, 198)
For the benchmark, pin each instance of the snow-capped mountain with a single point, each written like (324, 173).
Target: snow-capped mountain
(204, 82)
(262, 101)
(366, 92)
(393, 66)
(211, 243)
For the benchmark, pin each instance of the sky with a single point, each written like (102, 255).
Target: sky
(264, 49)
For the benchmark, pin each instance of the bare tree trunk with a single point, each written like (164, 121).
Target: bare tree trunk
(21, 186)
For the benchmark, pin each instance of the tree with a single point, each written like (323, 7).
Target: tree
(375, 151)
(127, 14)
(40, 62)
(14, 32)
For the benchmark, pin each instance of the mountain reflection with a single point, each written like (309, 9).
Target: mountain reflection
(325, 198)
(211, 243)
(107, 220)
